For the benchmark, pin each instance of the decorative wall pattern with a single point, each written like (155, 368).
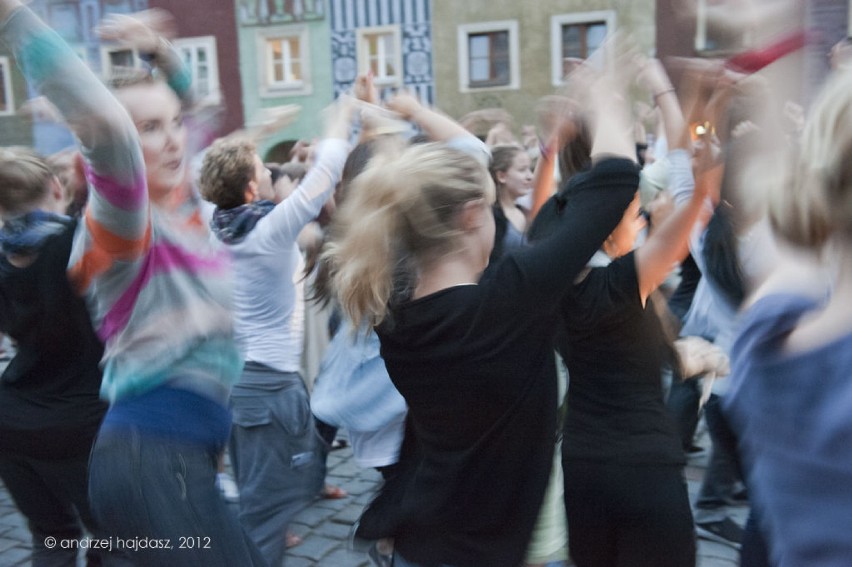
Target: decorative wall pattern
(261, 12)
(413, 17)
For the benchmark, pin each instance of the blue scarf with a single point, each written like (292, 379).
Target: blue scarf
(231, 226)
(25, 234)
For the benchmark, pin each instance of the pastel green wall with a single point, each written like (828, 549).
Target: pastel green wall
(635, 16)
(309, 123)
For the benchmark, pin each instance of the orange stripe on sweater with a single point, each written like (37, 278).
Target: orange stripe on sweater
(93, 263)
(115, 245)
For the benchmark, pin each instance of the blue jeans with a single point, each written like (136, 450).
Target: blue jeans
(158, 499)
(723, 472)
(276, 454)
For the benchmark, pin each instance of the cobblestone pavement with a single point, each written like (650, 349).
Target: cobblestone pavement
(325, 524)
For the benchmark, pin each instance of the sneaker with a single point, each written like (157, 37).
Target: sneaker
(227, 487)
(725, 531)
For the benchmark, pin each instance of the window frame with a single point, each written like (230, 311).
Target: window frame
(465, 31)
(362, 53)
(268, 86)
(208, 43)
(7, 87)
(558, 21)
(106, 63)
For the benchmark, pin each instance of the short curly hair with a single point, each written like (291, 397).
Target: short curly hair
(227, 170)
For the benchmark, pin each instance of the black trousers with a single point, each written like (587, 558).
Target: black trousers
(628, 515)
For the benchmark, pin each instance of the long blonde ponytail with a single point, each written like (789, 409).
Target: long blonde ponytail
(401, 212)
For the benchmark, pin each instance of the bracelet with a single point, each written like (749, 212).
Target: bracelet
(661, 93)
(545, 150)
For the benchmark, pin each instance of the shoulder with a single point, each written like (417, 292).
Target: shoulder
(764, 326)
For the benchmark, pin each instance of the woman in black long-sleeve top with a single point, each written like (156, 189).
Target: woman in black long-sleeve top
(471, 356)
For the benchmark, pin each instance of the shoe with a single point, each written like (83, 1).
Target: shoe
(724, 531)
(227, 487)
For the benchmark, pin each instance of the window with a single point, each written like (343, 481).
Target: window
(112, 57)
(284, 62)
(200, 56)
(7, 103)
(286, 67)
(577, 36)
(488, 56)
(489, 59)
(379, 51)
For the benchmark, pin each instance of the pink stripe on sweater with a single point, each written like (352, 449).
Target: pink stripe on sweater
(126, 197)
(161, 258)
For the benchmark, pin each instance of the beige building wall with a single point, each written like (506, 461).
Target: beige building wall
(535, 61)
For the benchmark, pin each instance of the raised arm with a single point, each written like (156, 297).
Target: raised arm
(117, 214)
(438, 126)
(559, 127)
(304, 204)
(669, 243)
(149, 32)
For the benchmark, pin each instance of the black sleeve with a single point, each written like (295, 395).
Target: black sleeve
(536, 277)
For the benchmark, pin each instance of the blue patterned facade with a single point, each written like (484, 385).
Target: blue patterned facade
(413, 17)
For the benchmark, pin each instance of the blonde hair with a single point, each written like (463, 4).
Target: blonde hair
(401, 213)
(816, 201)
(24, 179)
(227, 169)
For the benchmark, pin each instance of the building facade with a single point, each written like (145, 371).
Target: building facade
(76, 21)
(285, 59)
(509, 54)
(207, 41)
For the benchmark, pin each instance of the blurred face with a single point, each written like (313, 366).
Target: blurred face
(623, 238)
(156, 112)
(517, 180)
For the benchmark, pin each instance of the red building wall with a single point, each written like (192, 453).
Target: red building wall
(216, 18)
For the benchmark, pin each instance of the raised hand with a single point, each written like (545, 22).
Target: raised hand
(142, 31)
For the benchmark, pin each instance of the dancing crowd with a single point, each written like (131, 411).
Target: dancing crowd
(520, 332)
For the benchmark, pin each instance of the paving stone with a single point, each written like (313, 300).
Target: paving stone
(313, 516)
(336, 504)
(348, 515)
(345, 558)
(7, 543)
(315, 548)
(334, 530)
(16, 556)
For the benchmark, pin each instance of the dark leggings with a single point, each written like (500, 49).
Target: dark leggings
(620, 515)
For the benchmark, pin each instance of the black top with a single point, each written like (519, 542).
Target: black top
(615, 354)
(50, 388)
(475, 365)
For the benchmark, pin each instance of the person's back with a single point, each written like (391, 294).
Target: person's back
(789, 395)
(50, 409)
(471, 356)
(272, 418)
